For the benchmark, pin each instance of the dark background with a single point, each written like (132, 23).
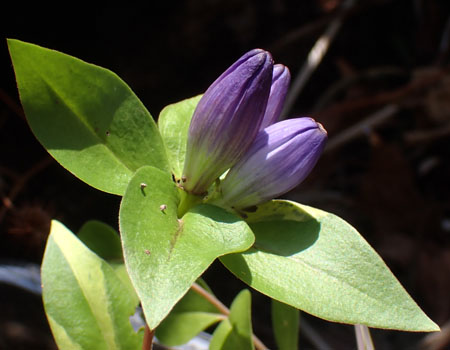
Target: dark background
(391, 180)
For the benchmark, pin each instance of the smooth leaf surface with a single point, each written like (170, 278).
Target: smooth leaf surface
(173, 123)
(236, 331)
(285, 323)
(104, 241)
(164, 254)
(87, 305)
(317, 262)
(192, 314)
(86, 117)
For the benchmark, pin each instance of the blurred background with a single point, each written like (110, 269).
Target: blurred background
(379, 82)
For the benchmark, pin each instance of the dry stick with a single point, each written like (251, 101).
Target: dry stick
(437, 340)
(363, 127)
(147, 343)
(315, 56)
(352, 105)
(224, 310)
(313, 336)
(20, 183)
(363, 338)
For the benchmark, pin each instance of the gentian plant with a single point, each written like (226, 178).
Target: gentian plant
(196, 187)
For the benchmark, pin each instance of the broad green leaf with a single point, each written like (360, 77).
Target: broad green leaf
(316, 262)
(173, 123)
(192, 314)
(236, 331)
(86, 117)
(87, 305)
(104, 241)
(165, 254)
(285, 322)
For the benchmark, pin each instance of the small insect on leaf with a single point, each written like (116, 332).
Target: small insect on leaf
(147, 251)
(162, 207)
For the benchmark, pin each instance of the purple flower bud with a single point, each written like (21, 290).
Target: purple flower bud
(227, 119)
(280, 84)
(281, 157)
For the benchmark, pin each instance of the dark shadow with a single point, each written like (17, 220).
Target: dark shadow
(285, 237)
(215, 213)
(280, 237)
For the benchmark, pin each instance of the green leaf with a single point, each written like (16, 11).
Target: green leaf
(189, 317)
(102, 239)
(316, 262)
(86, 117)
(285, 322)
(236, 331)
(164, 254)
(173, 123)
(87, 305)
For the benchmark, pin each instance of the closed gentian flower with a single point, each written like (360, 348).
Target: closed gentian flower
(226, 120)
(281, 157)
(280, 84)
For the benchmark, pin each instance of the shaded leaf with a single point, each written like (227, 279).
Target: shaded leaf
(102, 239)
(236, 331)
(285, 322)
(173, 123)
(192, 314)
(316, 262)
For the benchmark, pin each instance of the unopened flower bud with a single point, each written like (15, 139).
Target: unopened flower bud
(279, 159)
(227, 119)
(278, 91)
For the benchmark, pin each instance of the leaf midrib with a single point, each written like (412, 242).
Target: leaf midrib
(83, 120)
(317, 269)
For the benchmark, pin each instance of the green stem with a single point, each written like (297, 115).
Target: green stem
(187, 201)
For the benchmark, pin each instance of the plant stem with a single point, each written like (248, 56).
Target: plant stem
(187, 201)
(259, 345)
(147, 344)
(211, 299)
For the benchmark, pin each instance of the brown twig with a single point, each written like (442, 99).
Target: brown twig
(259, 345)
(351, 106)
(437, 340)
(20, 183)
(210, 298)
(147, 343)
(363, 127)
(315, 56)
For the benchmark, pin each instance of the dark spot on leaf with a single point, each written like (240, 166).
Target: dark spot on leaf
(175, 237)
(251, 209)
(107, 132)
